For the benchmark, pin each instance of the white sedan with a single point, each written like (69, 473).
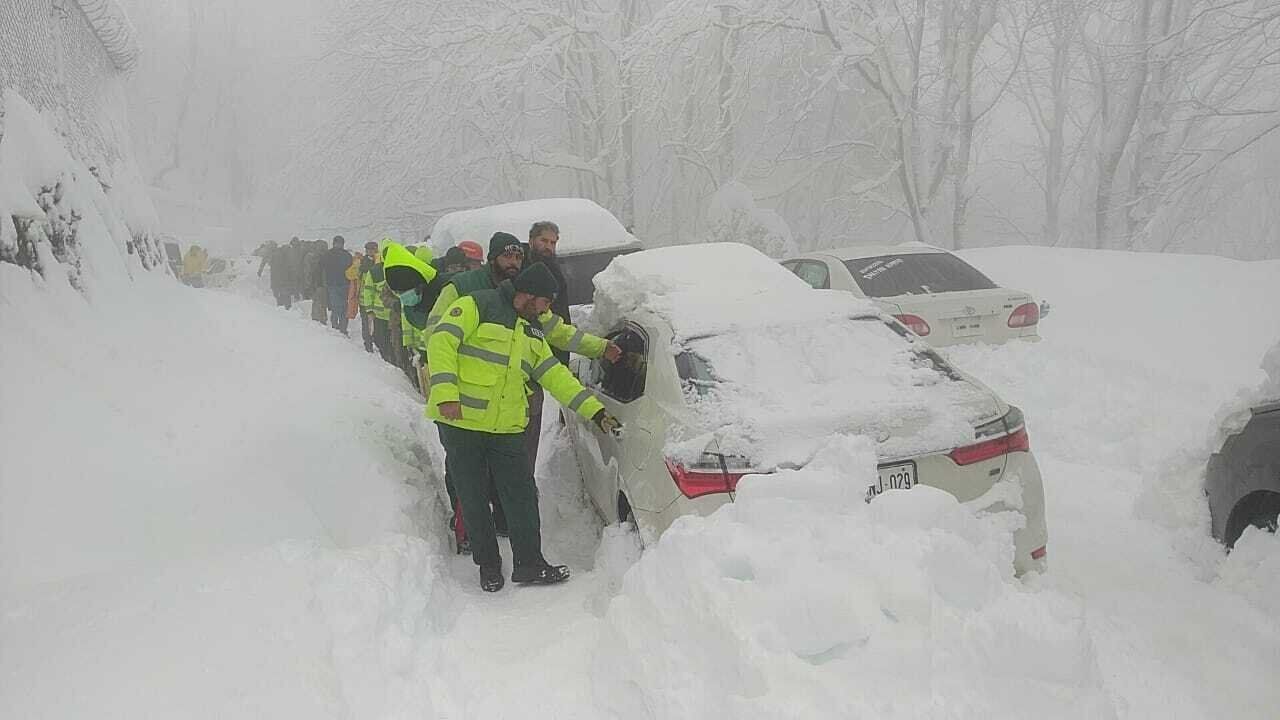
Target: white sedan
(936, 294)
(748, 370)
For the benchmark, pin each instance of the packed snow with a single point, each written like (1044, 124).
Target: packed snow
(211, 507)
(584, 225)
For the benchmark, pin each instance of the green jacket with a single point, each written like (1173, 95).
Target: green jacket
(482, 354)
(560, 334)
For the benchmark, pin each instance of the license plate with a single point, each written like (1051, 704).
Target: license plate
(967, 328)
(900, 476)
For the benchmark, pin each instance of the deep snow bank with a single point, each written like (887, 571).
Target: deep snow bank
(1122, 397)
(801, 600)
(62, 219)
(208, 508)
(1137, 357)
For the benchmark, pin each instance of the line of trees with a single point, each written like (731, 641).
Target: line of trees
(1133, 124)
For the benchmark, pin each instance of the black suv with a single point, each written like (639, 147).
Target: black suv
(1243, 478)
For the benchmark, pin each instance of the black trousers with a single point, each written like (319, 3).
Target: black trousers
(473, 458)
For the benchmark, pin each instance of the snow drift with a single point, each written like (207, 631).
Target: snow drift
(210, 507)
(62, 219)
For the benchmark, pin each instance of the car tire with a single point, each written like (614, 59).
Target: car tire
(1260, 509)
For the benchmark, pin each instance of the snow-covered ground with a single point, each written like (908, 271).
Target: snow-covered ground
(211, 507)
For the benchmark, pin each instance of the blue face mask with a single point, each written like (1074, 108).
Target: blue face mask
(410, 298)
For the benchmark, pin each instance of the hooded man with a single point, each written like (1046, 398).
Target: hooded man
(484, 352)
(411, 279)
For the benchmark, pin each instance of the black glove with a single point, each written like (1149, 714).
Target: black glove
(607, 423)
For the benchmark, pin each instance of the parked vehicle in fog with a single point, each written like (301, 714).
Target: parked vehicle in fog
(936, 294)
(590, 236)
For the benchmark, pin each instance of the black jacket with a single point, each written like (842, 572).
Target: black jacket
(560, 305)
(335, 263)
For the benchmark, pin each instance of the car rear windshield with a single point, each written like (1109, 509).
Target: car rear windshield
(580, 270)
(890, 275)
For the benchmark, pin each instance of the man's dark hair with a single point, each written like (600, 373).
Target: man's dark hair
(541, 226)
(338, 241)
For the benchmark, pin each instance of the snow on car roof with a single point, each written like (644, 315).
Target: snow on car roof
(713, 287)
(858, 252)
(584, 225)
(790, 366)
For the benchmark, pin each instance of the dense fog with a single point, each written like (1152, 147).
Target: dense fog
(1121, 124)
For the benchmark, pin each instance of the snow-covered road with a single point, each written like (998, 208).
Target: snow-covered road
(210, 507)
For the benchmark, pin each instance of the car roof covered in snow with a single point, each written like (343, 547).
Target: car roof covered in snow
(859, 252)
(793, 365)
(584, 225)
(713, 288)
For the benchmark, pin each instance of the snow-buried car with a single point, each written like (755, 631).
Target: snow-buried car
(734, 366)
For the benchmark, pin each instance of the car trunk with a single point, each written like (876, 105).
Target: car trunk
(922, 408)
(963, 315)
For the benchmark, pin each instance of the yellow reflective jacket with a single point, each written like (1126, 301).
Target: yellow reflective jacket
(404, 271)
(560, 334)
(196, 261)
(371, 283)
(481, 356)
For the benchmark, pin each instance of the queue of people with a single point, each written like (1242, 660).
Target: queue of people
(483, 336)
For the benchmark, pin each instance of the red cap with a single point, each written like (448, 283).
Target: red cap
(472, 250)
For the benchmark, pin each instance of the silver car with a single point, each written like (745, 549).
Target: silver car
(663, 377)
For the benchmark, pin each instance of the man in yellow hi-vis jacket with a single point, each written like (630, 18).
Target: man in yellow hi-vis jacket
(506, 258)
(484, 350)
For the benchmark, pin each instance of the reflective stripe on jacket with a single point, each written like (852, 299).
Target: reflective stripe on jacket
(371, 284)
(481, 356)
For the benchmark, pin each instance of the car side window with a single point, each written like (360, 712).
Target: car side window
(624, 380)
(813, 272)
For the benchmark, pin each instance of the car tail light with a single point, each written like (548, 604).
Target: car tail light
(1006, 435)
(1040, 552)
(713, 473)
(1025, 315)
(915, 322)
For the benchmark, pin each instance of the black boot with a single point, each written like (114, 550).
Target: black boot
(491, 578)
(543, 573)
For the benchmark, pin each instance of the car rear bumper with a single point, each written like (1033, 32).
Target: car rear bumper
(994, 336)
(974, 484)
